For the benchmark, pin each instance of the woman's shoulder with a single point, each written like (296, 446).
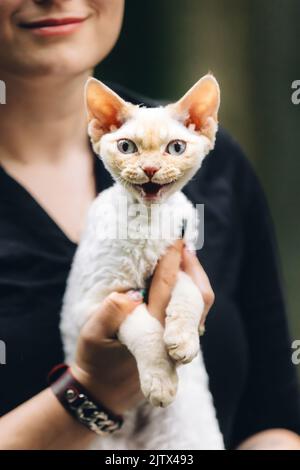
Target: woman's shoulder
(229, 160)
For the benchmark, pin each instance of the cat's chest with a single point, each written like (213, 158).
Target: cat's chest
(124, 261)
(124, 240)
(142, 256)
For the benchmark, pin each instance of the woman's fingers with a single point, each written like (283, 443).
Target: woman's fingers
(191, 266)
(163, 280)
(98, 343)
(103, 365)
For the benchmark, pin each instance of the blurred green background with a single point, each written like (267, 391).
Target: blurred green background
(252, 48)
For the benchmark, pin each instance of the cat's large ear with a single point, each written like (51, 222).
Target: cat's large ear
(106, 110)
(198, 108)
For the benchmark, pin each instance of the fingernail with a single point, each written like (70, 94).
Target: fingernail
(202, 330)
(136, 295)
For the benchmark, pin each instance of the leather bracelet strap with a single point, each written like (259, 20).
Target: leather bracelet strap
(78, 402)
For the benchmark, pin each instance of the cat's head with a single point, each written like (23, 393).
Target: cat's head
(153, 152)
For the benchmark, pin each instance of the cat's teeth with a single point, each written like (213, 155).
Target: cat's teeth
(151, 191)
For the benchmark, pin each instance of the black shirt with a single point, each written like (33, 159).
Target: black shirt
(246, 348)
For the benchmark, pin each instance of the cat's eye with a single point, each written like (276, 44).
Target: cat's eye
(176, 147)
(127, 146)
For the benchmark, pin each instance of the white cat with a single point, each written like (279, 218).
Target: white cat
(151, 153)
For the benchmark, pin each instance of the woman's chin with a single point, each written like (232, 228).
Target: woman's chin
(33, 58)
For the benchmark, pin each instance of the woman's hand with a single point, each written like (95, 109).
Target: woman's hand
(117, 385)
(178, 257)
(103, 365)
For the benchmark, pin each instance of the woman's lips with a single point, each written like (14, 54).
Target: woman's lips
(53, 26)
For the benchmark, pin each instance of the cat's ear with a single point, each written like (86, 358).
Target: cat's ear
(198, 108)
(106, 110)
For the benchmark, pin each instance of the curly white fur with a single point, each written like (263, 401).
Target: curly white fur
(102, 266)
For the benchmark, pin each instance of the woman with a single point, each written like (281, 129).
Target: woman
(48, 178)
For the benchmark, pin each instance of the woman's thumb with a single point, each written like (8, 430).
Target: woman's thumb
(115, 308)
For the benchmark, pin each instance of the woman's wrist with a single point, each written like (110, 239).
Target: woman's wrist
(95, 387)
(73, 391)
(86, 379)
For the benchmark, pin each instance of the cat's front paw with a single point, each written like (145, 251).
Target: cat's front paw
(159, 386)
(182, 343)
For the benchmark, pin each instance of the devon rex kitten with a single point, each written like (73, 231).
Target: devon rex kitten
(152, 154)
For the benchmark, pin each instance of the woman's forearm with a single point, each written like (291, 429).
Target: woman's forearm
(42, 423)
(272, 439)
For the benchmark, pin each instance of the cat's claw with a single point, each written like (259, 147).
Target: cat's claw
(159, 387)
(182, 346)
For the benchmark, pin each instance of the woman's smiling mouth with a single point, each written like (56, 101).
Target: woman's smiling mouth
(53, 26)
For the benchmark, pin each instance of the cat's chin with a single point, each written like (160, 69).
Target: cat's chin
(152, 193)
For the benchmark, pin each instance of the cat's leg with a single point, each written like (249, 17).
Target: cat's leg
(183, 316)
(143, 336)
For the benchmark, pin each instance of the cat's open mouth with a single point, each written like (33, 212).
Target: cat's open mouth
(151, 191)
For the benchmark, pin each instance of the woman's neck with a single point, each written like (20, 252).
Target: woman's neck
(43, 118)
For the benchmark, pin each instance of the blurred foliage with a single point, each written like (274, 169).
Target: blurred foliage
(251, 47)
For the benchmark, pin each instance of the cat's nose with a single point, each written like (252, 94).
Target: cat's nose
(150, 170)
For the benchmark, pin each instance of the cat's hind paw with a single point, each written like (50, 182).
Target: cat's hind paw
(182, 345)
(159, 387)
